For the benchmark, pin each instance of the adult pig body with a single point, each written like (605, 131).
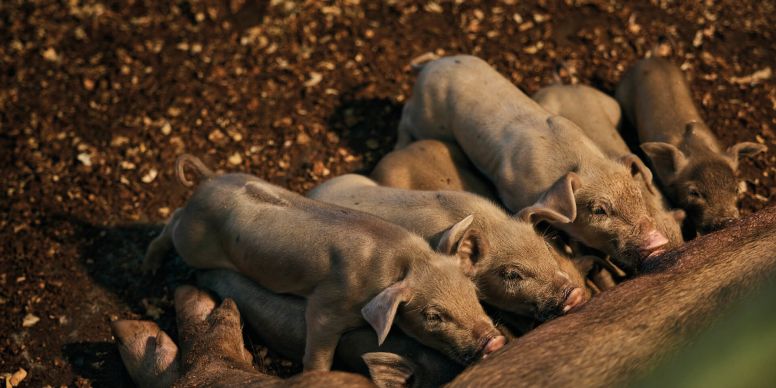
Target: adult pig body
(513, 267)
(537, 161)
(691, 165)
(620, 334)
(598, 116)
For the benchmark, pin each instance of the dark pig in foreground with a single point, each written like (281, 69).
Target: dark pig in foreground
(352, 267)
(621, 334)
(695, 171)
(212, 352)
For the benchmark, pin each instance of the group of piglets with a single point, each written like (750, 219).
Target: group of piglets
(493, 206)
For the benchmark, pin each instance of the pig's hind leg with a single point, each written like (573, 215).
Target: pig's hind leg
(162, 244)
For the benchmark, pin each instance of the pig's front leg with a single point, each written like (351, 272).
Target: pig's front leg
(326, 322)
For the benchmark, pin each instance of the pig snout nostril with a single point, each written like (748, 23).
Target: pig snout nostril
(575, 299)
(493, 344)
(652, 241)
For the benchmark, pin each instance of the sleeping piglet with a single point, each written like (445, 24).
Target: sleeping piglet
(692, 167)
(513, 267)
(431, 165)
(278, 320)
(351, 266)
(598, 116)
(543, 166)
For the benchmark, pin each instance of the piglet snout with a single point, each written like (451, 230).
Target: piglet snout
(575, 298)
(493, 344)
(652, 242)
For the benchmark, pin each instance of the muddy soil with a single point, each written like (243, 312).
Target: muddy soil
(98, 98)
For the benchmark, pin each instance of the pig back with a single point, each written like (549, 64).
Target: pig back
(462, 98)
(656, 99)
(261, 234)
(431, 165)
(596, 114)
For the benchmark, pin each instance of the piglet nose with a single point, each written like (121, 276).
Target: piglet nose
(652, 241)
(494, 344)
(575, 298)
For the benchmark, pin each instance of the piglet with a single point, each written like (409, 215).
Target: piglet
(513, 267)
(431, 165)
(278, 320)
(212, 352)
(598, 116)
(691, 165)
(351, 267)
(543, 166)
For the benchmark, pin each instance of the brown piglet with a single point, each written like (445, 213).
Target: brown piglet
(695, 171)
(598, 116)
(431, 165)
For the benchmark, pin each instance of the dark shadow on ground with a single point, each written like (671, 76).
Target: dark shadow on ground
(367, 126)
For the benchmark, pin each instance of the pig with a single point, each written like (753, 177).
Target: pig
(278, 320)
(543, 166)
(691, 166)
(513, 267)
(212, 352)
(351, 267)
(598, 116)
(431, 165)
(620, 334)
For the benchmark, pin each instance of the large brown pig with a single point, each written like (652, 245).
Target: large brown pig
(621, 333)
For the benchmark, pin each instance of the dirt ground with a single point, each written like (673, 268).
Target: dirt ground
(98, 99)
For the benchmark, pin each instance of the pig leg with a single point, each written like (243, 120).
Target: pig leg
(161, 245)
(325, 325)
(404, 136)
(148, 353)
(603, 280)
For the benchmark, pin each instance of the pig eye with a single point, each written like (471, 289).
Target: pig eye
(432, 316)
(693, 191)
(599, 211)
(510, 274)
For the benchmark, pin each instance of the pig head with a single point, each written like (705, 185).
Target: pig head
(598, 116)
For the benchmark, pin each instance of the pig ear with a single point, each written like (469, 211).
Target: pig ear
(381, 310)
(636, 166)
(666, 158)
(558, 204)
(740, 150)
(389, 369)
(466, 243)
